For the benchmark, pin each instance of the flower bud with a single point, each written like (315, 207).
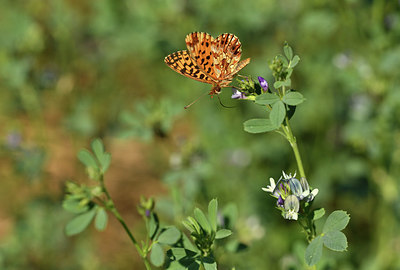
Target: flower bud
(263, 83)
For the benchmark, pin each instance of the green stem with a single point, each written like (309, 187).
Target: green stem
(292, 140)
(113, 209)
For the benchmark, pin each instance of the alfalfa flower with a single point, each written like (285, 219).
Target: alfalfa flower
(236, 94)
(290, 192)
(263, 83)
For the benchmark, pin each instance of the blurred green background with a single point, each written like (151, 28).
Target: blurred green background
(71, 71)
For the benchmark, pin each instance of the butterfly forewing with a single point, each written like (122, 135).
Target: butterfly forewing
(182, 62)
(199, 47)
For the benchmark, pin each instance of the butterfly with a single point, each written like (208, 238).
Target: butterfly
(209, 60)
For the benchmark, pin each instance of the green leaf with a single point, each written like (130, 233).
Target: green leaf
(87, 158)
(188, 245)
(80, 223)
(188, 226)
(318, 213)
(157, 255)
(169, 236)
(314, 251)
(194, 224)
(336, 221)
(153, 225)
(258, 126)
(277, 114)
(74, 206)
(202, 220)
(105, 162)
(288, 81)
(178, 253)
(223, 233)
(335, 240)
(100, 222)
(294, 61)
(194, 266)
(278, 84)
(185, 256)
(266, 98)
(209, 263)
(293, 98)
(103, 157)
(288, 51)
(230, 213)
(176, 265)
(98, 148)
(212, 214)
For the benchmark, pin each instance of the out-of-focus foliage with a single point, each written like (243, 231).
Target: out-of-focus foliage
(73, 70)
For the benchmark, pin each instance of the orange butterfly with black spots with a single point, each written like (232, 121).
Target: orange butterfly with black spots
(210, 60)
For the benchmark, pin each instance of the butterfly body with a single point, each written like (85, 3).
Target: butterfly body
(210, 60)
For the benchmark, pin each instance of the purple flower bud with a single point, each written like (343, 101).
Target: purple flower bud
(263, 83)
(236, 94)
(280, 202)
(148, 213)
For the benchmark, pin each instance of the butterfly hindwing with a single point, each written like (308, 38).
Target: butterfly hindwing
(183, 63)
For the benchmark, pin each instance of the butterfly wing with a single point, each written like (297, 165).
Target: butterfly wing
(199, 47)
(183, 63)
(227, 51)
(240, 65)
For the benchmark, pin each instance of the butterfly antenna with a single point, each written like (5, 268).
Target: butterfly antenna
(194, 101)
(220, 102)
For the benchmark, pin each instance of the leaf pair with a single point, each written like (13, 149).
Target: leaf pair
(82, 221)
(98, 163)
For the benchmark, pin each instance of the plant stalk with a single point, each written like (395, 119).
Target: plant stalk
(113, 209)
(292, 140)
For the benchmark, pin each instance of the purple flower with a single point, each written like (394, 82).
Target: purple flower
(263, 83)
(14, 139)
(236, 94)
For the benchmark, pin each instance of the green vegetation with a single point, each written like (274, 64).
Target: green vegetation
(72, 71)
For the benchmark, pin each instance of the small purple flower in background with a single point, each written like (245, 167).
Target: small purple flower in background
(236, 94)
(148, 212)
(14, 140)
(289, 192)
(263, 83)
